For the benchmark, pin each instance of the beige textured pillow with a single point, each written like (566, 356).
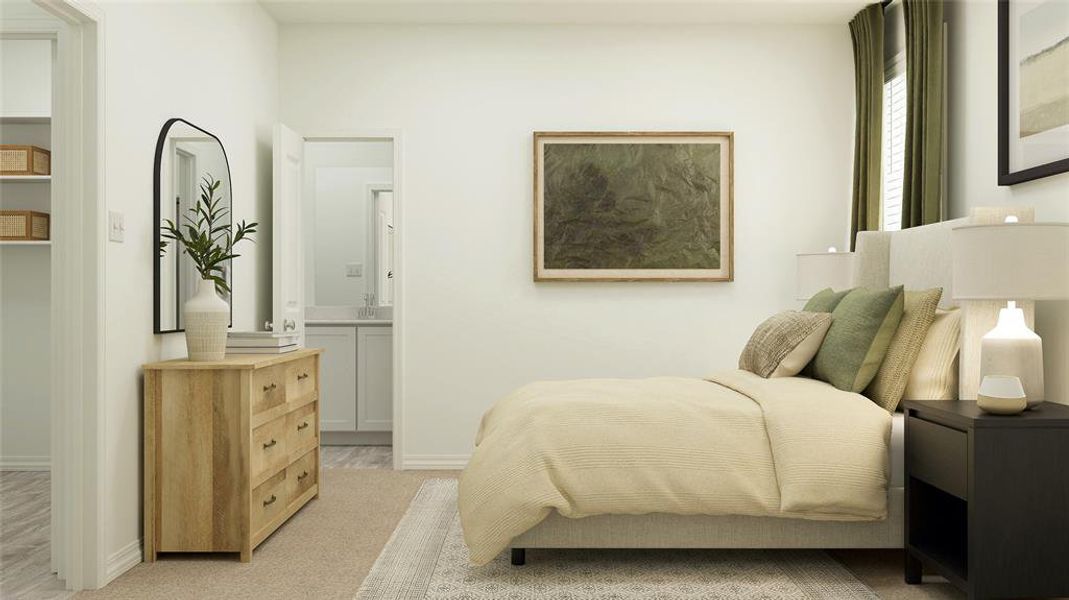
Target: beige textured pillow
(889, 384)
(785, 343)
(935, 373)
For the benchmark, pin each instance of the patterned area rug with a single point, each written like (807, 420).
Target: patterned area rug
(426, 559)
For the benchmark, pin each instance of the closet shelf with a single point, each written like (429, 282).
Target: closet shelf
(26, 178)
(25, 119)
(25, 242)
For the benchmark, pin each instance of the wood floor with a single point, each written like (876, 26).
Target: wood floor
(356, 457)
(25, 561)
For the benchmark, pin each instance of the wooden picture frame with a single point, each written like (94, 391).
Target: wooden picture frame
(634, 206)
(1009, 116)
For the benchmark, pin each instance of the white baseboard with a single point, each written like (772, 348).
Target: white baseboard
(434, 462)
(123, 560)
(25, 463)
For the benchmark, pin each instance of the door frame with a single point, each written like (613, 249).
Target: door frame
(78, 287)
(395, 136)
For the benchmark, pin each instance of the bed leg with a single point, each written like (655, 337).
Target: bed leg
(519, 556)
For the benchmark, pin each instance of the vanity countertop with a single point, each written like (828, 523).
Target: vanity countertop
(346, 322)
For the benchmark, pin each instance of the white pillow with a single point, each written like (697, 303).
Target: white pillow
(935, 373)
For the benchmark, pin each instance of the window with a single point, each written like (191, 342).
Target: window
(894, 146)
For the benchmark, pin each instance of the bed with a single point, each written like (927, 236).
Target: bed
(783, 463)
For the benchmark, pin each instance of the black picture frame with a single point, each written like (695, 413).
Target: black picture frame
(157, 194)
(1005, 176)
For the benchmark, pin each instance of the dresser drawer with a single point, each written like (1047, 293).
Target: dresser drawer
(301, 378)
(268, 388)
(938, 455)
(302, 429)
(269, 452)
(303, 474)
(269, 500)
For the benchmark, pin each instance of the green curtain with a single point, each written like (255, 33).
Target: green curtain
(866, 30)
(922, 187)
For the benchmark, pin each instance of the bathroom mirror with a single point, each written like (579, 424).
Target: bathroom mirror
(185, 156)
(348, 224)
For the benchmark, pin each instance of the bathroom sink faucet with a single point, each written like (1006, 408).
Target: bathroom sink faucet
(368, 310)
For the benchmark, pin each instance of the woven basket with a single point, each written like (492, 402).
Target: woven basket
(24, 160)
(23, 225)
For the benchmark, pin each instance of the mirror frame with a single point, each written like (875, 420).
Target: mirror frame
(161, 142)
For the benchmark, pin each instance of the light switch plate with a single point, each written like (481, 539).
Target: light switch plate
(116, 226)
(354, 270)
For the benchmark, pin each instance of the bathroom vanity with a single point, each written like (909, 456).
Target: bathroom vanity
(356, 402)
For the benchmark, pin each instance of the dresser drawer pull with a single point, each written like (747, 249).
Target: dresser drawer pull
(302, 476)
(270, 500)
(270, 444)
(302, 426)
(302, 376)
(268, 388)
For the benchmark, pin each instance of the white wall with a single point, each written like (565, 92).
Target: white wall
(214, 64)
(27, 86)
(25, 330)
(973, 161)
(467, 99)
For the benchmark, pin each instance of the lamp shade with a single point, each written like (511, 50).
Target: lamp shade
(823, 270)
(1011, 261)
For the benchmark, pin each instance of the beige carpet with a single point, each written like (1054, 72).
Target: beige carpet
(328, 548)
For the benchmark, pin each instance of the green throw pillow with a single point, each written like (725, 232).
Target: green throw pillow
(862, 326)
(825, 300)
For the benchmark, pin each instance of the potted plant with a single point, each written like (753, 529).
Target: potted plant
(207, 238)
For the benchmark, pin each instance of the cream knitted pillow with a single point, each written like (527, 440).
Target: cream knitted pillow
(890, 382)
(785, 343)
(935, 373)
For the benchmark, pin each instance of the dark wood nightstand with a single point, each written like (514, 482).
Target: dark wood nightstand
(987, 498)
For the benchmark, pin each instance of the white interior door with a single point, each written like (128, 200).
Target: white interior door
(384, 252)
(287, 252)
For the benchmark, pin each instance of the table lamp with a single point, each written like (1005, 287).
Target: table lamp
(820, 270)
(1012, 261)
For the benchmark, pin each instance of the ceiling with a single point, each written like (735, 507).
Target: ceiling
(634, 12)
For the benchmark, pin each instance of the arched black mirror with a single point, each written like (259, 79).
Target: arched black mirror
(186, 155)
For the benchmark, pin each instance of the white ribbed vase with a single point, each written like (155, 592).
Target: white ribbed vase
(207, 316)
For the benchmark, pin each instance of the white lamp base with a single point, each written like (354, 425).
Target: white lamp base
(1012, 349)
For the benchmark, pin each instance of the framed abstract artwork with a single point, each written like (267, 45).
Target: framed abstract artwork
(1033, 89)
(633, 206)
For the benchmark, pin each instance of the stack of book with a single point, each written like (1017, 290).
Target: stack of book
(261, 342)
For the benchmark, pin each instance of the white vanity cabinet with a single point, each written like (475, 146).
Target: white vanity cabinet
(356, 377)
(337, 388)
(374, 378)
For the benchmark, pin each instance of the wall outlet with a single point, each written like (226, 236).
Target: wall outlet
(116, 226)
(354, 270)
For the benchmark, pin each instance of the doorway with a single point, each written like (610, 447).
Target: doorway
(58, 115)
(349, 248)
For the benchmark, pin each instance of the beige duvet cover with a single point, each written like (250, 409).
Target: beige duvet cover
(734, 444)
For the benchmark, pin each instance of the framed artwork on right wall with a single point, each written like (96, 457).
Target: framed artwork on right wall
(1033, 89)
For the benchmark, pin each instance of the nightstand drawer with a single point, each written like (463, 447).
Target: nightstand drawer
(938, 455)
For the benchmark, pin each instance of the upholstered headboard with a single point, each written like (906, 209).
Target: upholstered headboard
(918, 258)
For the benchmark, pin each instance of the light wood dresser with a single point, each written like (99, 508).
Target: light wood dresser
(231, 450)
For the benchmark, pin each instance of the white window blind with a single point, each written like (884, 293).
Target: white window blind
(894, 149)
